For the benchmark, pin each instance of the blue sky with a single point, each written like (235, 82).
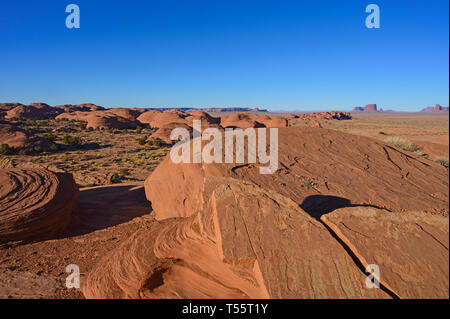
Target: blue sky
(281, 55)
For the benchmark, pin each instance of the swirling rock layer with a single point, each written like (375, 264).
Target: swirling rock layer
(34, 202)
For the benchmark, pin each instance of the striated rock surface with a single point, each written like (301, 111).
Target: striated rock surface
(226, 231)
(34, 202)
(231, 249)
(319, 165)
(410, 249)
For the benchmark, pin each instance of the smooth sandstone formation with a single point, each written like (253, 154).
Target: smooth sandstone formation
(102, 119)
(224, 230)
(34, 202)
(18, 138)
(157, 118)
(411, 249)
(33, 111)
(231, 249)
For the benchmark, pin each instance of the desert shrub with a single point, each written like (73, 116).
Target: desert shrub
(420, 153)
(142, 140)
(49, 136)
(5, 149)
(90, 129)
(309, 184)
(382, 133)
(402, 143)
(98, 164)
(54, 147)
(138, 130)
(26, 151)
(155, 142)
(37, 149)
(72, 140)
(115, 178)
(123, 172)
(443, 161)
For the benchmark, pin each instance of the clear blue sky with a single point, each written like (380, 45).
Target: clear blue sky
(290, 55)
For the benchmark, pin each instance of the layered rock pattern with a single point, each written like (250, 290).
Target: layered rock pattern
(35, 202)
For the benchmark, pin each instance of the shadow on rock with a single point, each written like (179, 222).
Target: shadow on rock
(318, 205)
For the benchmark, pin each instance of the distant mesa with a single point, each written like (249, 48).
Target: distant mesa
(369, 108)
(435, 109)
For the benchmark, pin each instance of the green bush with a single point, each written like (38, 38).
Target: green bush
(54, 147)
(37, 149)
(71, 140)
(123, 172)
(142, 140)
(138, 130)
(115, 178)
(49, 136)
(155, 142)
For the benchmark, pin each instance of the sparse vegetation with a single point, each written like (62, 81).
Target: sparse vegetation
(54, 147)
(72, 140)
(142, 140)
(443, 161)
(402, 143)
(49, 137)
(155, 142)
(309, 184)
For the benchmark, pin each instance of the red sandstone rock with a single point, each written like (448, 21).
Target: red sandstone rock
(226, 231)
(410, 249)
(100, 119)
(18, 139)
(33, 111)
(34, 202)
(157, 118)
